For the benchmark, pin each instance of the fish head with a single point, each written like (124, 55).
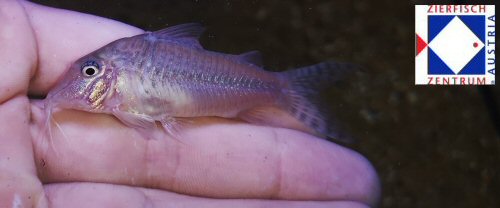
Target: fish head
(85, 84)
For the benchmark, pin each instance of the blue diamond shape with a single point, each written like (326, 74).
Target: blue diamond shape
(476, 24)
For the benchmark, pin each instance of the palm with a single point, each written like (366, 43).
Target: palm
(108, 163)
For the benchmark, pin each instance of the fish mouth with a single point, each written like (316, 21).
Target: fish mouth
(50, 100)
(58, 98)
(53, 99)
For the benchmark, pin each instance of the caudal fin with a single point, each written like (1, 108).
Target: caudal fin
(303, 96)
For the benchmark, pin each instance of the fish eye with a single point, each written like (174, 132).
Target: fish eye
(90, 68)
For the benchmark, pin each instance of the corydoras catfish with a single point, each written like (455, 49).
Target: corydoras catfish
(165, 75)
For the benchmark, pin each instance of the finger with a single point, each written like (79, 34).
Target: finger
(106, 195)
(223, 160)
(63, 36)
(19, 186)
(17, 50)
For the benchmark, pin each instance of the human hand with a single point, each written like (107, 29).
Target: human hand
(93, 160)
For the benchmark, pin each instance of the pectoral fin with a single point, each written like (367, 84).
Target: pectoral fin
(138, 121)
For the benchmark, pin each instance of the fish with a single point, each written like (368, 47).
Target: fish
(166, 75)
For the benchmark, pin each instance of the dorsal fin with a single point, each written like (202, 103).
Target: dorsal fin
(252, 57)
(187, 30)
(187, 33)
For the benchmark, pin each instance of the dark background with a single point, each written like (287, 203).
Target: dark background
(433, 146)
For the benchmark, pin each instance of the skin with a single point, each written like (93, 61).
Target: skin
(93, 160)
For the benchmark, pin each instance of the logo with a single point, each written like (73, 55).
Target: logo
(455, 44)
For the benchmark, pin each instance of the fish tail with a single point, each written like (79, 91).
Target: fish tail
(302, 96)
